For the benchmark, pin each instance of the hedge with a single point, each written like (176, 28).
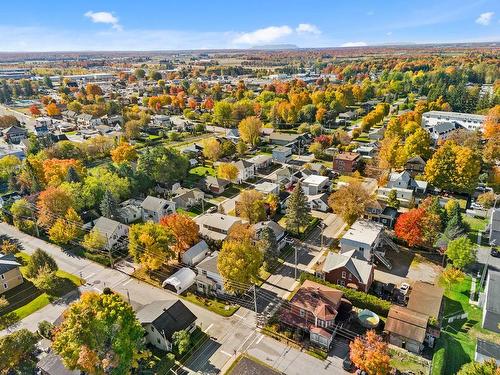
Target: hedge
(357, 298)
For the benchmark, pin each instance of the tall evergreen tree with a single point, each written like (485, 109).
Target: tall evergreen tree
(269, 247)
(109, 206)
(72, 175)
(297, 211)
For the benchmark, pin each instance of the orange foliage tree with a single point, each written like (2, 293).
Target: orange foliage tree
(370, 353)
(56, 170)
(52, 109)
(492, 123)
(184, 230)
(34, 110)
(408, 226)
(52, 204)
(124, 152)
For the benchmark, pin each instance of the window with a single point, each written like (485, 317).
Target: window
(5, 286)
(302, 313)
(344, 275)
(341, 282)
(3, 276)
(158, 340)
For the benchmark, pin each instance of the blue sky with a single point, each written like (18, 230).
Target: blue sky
(34, 25)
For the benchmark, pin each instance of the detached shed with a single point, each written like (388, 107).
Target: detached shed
(180, 281)
(196, 253)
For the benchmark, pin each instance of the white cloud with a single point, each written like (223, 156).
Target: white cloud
(265, 35)
(307, 28)
(389, 33)
(485, 18)
(354, 44)
(104, 17)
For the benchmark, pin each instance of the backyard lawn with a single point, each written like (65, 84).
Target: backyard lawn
(457, 343)
(212, 304)
(476, 225)
(197, 173)
(26, 298)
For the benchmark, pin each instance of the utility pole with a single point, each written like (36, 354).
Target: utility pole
(295, 248)
(255, 298)
(109, 251)
(322, 229)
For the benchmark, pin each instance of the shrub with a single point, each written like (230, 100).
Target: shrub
(45, 329)
(359, 299)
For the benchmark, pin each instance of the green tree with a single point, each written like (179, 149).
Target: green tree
(45, 329)
(72, 175)
(109, 206)
(40, 260)
(269, 247)
(479, 368)
(16, 348)
(392, 199)
(182, 341)
(140, 73)
(461, 252)
(100, 334)
(150, 244)
(100, 180)
(239, 263)
(223, 113)
(163, 164)
(297, 210)
(8, 164)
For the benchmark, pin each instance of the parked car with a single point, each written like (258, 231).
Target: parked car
(476, 206)
(347, 363)
(404, 288)
(495, 252)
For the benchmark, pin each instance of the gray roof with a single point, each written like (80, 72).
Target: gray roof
(279, 232)
(209, 264)
(106, 226)
(216, 220)
(8, 262)
(359, 268)
(492, 300)
(242, 164)
(214, 181)
(197, 249)
(153, 203)
(495, 220)
(52, 364)
(456, 115)
(363, 231)
(166, 316)
(488, 349)
(444, 127)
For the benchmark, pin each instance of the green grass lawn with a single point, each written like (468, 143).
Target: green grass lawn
(212, 304)
(197, 173)
(476, 225)
(406, 361)
(25, 299)
(457, 343)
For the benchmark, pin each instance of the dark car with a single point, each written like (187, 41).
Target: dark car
(347, 363)
(495, 253)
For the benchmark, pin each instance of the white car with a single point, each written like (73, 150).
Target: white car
(476, 206)
(404, 288)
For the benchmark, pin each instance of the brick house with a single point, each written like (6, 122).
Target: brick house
(347, 271)
(346, 162)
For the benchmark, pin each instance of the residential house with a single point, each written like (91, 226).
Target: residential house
(14, 134)
(130, 211)
(52, 364)
(313, 309)
(491, 302)
(246, 170)
(87, 120)
(216, 226)
(468, 121)
(345, 270)
(267, 188)
(282, 154)
(161, 319)
(196, 253)
(379, 212)
(286, 139)
(346, 162)
(209, 281)
(233, 134)
(364, 237)
(487, 351)
(415, 166)
(10, 274)
(406, 328)
(187, 198)
(318, 202)
(69, 116)
(407, 188)
(366, 152)
(442, 131)
(153, 208)
(315, 184)
(494, 227)
(261, 161)
(214, 185)
(278, 231)
(113, 231)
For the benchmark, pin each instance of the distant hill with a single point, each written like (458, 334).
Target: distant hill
(275, 46)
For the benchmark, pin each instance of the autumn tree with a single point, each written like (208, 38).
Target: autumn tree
(16, 349)
(461, 252)
(184, 230)
(67, 228)
(40, 260)
(488, 367)
(227, 171)
(223, 113)
(53, 110)
(250, 205)
(94, 241)
(297, 210)
(349, 201)
(34, 110)
(491, 126)
(52, 204)
(100, 335)
(408, 226)
(239, 263)
(370, 353)
(56, 170)
(392, 199)
(150, 244)
(8, 165)
(250, 129)
(212, 149)
(124, 152)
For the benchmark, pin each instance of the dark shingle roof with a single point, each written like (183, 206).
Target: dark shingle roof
(488, 349)
(8, 262)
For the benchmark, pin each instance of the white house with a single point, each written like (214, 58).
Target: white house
(315, 184)
(161, 319)
(110, 229)
(363, 237)
(318, 202)
(216, 226)
(153, 208)
(278, 231)
(267, 188)
(246, 170)
(187, 198)
(130, 211)
(209, 281)
(195, 254)
(261, 161)
(282, 154)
